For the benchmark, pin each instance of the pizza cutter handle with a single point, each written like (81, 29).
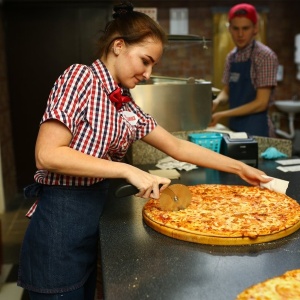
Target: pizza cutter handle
(125, 190)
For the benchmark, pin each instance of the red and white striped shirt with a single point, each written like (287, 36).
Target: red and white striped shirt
(79, 99)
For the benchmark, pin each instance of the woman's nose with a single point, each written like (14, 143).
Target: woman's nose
(147, 73)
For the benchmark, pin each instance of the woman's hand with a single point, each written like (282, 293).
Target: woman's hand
(146, 183)
(253, 175)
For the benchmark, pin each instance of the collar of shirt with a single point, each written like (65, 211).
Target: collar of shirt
(105, 77)
(243, 54)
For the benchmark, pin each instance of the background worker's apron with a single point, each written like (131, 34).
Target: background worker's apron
(242, 91)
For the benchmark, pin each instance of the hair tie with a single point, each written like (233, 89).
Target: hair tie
(122, 9)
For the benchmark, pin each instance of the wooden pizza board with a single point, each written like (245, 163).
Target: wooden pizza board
(216, 240)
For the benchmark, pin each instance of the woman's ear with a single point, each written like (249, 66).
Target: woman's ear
(118, 45)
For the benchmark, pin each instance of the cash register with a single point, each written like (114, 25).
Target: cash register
(240, 146)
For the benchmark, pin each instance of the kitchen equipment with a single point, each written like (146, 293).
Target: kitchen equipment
(177, 104)
(290, 107)
(174, 197)
(157, 79)
(243, 149)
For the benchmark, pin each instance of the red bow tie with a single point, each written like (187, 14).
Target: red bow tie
(117, 97)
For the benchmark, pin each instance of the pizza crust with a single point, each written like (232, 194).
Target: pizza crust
(227, 215)
(283, 287)
(217, 240)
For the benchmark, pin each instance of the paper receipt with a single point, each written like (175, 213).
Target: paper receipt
(238, 135)
(276, 185)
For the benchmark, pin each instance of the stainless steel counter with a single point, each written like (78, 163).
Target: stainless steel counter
(140, 263)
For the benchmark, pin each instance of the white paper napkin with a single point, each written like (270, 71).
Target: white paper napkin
(295, 168)
(276, 185)
(171, 173)
(171, 163)
(293, 161)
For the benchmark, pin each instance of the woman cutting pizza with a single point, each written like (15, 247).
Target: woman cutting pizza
(88, 125)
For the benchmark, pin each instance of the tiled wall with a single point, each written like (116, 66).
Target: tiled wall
(6, 142)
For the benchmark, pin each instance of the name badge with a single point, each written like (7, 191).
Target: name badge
(234, 77)
(130, 117)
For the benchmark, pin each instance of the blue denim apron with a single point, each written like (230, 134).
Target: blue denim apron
(60, 247)
(242, 91)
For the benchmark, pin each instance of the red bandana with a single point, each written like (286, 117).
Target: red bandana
(117, 97)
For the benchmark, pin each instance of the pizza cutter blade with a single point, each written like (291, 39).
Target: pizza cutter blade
(174, 197)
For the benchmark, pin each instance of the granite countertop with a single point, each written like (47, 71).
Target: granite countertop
(141, 153)
(140, 263)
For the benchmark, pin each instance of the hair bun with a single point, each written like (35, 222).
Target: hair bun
(122, 9)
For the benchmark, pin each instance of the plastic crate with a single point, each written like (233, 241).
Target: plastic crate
(211, 141)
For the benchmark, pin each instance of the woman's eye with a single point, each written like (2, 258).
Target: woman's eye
(145, 62)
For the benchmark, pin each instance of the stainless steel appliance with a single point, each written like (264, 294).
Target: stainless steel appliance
(177, 104)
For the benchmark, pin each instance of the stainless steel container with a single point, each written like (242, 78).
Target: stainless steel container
(177, 105)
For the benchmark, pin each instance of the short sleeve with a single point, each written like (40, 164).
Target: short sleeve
(266, 70)
(69, 97)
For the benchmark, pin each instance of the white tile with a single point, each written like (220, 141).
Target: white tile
(10, 291)
(6, 268)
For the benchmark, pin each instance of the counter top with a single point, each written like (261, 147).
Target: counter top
(140, 263)
(141, 153)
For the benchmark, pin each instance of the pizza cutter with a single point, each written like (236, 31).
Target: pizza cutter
(174, 197)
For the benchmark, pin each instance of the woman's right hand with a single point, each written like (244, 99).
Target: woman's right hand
(146, 183)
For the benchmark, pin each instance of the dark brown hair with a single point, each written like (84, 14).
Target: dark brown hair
(131, 26)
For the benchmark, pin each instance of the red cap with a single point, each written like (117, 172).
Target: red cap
(243, 10)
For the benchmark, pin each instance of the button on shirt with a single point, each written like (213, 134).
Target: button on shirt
(79, 99)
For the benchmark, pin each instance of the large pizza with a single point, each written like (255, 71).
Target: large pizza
(282, 287)
(227, 215)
